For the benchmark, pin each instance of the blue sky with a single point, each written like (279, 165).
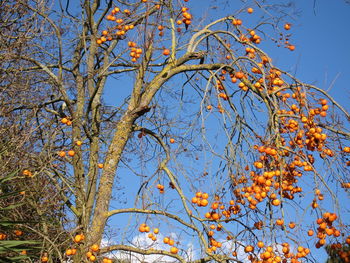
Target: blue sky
(322, 54)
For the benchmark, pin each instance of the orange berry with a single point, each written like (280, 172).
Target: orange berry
(166, 240)
(204, 202)
(215, 216)
(292, 225)
(18, 233)
(205, 195)
(239, 75)
(166, 52)
(310, 232)
(64, 120)
(248, 249)
(291, 47)
(260, 244)
(348, 240)
(287, 26)
(279, 222)
(174, 250)
(78, 238)
(94, 248)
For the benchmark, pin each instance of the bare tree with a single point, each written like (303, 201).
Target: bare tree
(31, 206)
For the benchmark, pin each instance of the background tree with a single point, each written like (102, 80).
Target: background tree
(232, 154)
(338, 253)
(31, 207)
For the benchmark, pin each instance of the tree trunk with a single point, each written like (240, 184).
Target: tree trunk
(116, 148)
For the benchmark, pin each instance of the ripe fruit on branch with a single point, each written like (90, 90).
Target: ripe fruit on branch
(166, 52)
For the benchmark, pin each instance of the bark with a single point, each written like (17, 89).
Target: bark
(115, 150)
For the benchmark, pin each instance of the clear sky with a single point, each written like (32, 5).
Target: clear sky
(322, 55)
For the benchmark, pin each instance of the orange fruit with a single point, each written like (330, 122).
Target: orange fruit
(166, 52)
(166, 240)
(348, 240)
(64, 120)
(205, 195)
(174, 250)
(276, 202)
(287, 26)
(204, 202)
(249, 248)
(260, 244)
(215, 216)
(310, 232)
(94, 248)
(78, 238)
(18, 232)
(292, 225)
(239, 75)
(279, 222)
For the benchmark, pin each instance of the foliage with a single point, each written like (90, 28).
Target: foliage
(12, 250)
(338, 253)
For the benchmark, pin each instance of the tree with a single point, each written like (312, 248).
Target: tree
(31, 207)
(337, 253)
(244, 190)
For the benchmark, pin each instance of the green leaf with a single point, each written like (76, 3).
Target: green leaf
(11, 223)
(14, 243)
(13, 259)
(2, 196)
(8, 177)
(11, 206)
